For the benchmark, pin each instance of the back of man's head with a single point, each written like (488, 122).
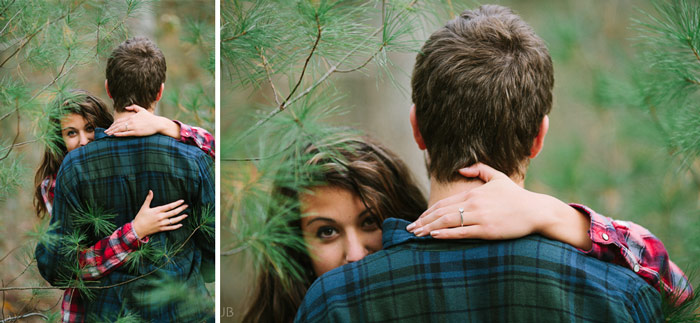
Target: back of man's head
(135, 72)
(481, 85)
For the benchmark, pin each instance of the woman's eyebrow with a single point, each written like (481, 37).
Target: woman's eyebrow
(363, 213)
(66, 128)
(320, 218)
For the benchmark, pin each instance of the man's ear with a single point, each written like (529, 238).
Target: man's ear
(416, 133)
(107, 88)
(160, 92)
(538, 143)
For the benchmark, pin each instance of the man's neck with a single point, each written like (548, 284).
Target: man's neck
(118, 115)
(442, 190)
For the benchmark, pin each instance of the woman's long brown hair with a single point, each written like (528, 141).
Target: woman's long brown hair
(369, 170)
(81, 102)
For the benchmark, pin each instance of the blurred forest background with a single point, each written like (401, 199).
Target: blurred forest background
(609, 147)
(50, 46)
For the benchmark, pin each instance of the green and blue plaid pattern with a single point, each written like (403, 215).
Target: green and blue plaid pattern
(112, 176)
(532, 279)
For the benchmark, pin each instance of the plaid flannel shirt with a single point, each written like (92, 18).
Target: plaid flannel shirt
(195, 253)
(632, 246)
(197, 136)
(533, 279)
(110, 252)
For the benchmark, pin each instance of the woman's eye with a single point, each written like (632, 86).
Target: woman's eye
(71, 133)
(326, 232)
(90, 128)
(370, 223)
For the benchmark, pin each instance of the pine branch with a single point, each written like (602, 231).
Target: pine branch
(29, 38)
(27, 304)
(234, 251)
(266, 65)
(17, 145)
(234, 37)
(6, 8)
(117, 284)
(16, 136)
(24, 316)
(9, 253)
(9, 22)
(249, 159)
(369, 59)
(306, 64)
(22, 273)
(7, 115)
(323, 78)
(695, 51)
(26, 41)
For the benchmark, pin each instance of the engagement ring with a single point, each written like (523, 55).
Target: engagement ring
(461, 217)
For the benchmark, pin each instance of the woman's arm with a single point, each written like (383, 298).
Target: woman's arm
(633, 246)
(524, 212)
(110, 253)
(145, 123)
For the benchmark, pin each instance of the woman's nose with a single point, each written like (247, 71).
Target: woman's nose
(84, 140)
(356, 248)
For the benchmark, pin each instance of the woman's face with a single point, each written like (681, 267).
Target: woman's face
(337, 227)
(76, 131)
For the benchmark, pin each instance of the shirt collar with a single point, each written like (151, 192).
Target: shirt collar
(100, 133)
(394, 232)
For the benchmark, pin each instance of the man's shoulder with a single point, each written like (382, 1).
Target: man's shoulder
(533, 252)
(488, 273)
(149, 144)
(155, 151)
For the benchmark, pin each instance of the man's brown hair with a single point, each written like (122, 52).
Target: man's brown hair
(135, 71)
(481, 85)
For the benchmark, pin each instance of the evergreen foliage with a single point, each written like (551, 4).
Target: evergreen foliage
(48, 47)
(289, 52)
(670, 43)
(608, 148)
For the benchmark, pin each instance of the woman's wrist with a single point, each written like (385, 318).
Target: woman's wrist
(169, 128)
(138, 229)
(559, 221)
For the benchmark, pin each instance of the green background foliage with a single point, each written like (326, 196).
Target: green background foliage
(48, 47)
(623, 136)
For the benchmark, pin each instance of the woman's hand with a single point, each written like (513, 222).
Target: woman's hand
(160, 218)
(499, 210)
(143, 123)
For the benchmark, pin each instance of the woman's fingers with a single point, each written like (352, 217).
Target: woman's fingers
(445, 206)
(118, 124)
(465, 232)
(171, 227)
(454, 199)
(173, 212)
(446, 221)
(135, 107)
(124, 133)
(147, 201)
(169, 206)
(177, 219)
(482, 171)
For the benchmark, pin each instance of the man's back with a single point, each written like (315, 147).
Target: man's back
(113, 176)
(531, 279)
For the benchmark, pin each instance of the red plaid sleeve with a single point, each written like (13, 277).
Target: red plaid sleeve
(72, 308)
(197, 136)
(109, 253)
(47, 187)
(633, 246)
